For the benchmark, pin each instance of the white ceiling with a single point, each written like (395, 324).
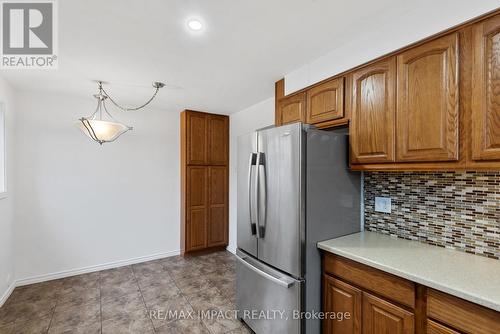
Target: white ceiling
(246, 46)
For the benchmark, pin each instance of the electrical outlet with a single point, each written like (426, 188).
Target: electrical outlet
(383, 204)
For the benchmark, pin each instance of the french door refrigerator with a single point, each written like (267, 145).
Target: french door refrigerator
(294, 189)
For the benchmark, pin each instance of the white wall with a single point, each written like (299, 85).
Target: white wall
(408, 23)
(255, 117)
(7, 203)
(83, 205)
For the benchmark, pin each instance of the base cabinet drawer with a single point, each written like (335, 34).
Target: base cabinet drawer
(386, 285)
(380, 316)
(436, 328)
(462, 315)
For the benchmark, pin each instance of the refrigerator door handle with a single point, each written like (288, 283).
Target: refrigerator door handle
(256, 194)
(282, 281)
(263, 200)
(251, 163)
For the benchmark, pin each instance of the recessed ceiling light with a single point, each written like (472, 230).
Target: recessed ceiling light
(194, 25)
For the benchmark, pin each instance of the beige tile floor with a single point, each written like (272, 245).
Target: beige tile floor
(131, 299)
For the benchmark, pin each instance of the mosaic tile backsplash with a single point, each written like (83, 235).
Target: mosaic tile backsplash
(455, 210)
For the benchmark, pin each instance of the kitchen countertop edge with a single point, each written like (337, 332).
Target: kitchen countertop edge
(411, 276)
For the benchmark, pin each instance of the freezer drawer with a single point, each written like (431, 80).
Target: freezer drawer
(266, 298)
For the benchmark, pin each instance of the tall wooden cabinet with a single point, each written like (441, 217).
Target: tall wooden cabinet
(204, 180)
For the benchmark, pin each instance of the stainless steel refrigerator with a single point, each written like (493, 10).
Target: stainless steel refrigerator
(294, 189)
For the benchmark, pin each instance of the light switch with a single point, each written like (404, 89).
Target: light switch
(383, 204)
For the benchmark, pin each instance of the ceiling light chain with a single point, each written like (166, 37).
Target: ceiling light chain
(156, 85)
(103, 130)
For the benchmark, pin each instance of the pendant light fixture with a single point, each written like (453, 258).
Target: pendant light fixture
(101, 126)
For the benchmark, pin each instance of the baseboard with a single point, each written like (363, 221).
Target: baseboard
(7, 293)
(90, 269)
(231, 249)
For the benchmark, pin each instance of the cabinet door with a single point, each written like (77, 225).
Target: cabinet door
(373, 113)
(196, 146)
(197, 211)
(292, 109)
(380, 316)
(218, 140)
(341, 297)
(325, 102)
(486, 90)
(217, 207)
(427, 107)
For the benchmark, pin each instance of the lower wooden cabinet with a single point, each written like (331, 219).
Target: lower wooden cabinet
(344, 298)
(362, 312)
(465, 316)
(381, 316)
(362, 292)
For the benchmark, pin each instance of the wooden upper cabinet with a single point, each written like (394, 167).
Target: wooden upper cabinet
(380, 316)
(325, 102)
(373, 113)
(292, 109)
(197, 148)
(341, 297)
(486, 90)
(218, 141)
(427, 101)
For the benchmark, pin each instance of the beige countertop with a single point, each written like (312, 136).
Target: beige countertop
(471, 277)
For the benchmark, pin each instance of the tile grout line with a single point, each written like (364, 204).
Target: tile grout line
(52, 316)
(100, 297)
(142, 297)
(187, 299)
(218, 290)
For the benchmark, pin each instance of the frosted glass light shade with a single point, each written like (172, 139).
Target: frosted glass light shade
(101, 131)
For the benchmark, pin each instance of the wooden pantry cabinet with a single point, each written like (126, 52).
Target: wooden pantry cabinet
(379, 302)
(204, 181)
